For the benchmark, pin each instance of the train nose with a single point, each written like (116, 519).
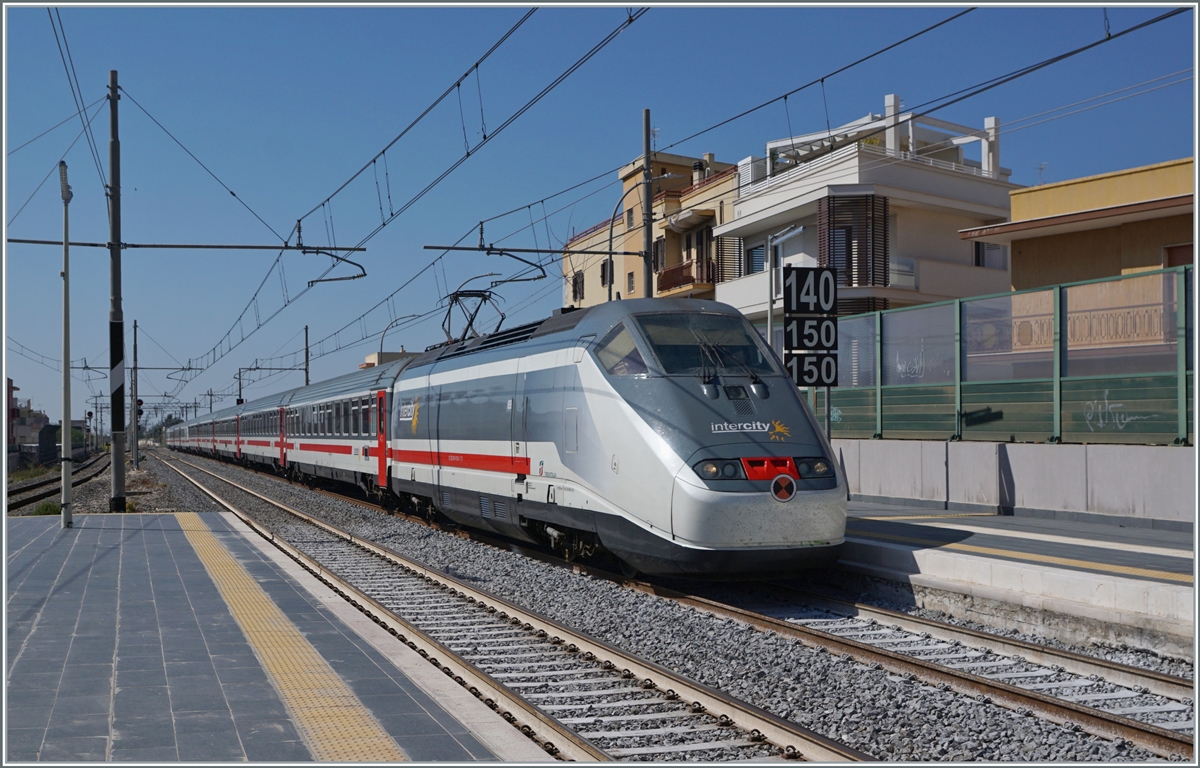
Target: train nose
(776, 513)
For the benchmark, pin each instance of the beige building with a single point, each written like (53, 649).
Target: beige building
(1118, 223)
(682, 203)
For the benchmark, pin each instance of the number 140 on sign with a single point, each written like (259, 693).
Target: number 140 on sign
(812, 369)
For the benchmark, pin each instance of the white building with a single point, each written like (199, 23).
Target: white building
(882, 199)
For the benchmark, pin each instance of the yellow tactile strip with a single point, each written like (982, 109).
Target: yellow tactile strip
(331, 719)
(1129, 570)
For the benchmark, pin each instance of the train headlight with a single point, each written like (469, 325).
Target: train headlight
(720, 469)
(814, 467)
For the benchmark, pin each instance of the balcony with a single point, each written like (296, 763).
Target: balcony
(688, 275)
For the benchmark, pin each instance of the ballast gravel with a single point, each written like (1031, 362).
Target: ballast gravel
(868, 709)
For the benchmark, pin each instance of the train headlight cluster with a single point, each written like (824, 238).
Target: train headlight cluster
(720, 469)
(814, 468)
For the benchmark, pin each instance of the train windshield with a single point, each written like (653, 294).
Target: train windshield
(698, 343)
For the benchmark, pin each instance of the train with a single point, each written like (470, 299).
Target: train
(664, 433)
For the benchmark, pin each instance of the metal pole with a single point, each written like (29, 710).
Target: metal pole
(647, 209)
(306, 355)
(239, 385)
(65, 458)
(116, 319)
(133, 404)
(828, 411)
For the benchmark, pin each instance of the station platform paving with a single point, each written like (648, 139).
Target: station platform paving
(1102, 574)
(184, 637)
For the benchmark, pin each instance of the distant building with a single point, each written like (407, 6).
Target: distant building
(10, 419)
(586, 275)
(376, 358)
(882, 199)
(23, 423)
(1108, 225)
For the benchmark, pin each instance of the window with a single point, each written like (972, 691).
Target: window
(629, 283)
(374, 420)
(659, 254)
(355, 422)
(696, 343)
(629, 219)
(756, 258)
(618, 354)
(577, 286)
(604, 273)
(991, 255)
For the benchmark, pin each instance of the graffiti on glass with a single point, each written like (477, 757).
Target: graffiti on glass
(1101, 414)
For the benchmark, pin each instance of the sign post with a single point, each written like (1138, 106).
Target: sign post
(810, 331)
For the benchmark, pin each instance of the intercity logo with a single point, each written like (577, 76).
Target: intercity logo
(410, 412)
(745, 426)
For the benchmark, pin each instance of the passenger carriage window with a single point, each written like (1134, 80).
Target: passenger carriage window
(374, 421)
(345, 417)
(618, 354)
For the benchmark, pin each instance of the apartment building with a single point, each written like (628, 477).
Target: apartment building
(675, 178)
(881, 199)
(1111, 224)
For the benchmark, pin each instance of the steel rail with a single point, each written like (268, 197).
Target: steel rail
(1155, 682)
(1161, 741)
(23, 501)
(482, 685)
(795, 740)
(52, 478)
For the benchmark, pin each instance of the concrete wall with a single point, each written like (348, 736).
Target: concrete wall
(1136, 485)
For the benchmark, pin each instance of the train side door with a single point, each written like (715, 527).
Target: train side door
(519, 430)
(282, 436)
(381, 441)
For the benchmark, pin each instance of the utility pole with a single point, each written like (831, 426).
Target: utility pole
(306, 355)
(66, 353)
(647, 209)
(133, 404)
(116, 319)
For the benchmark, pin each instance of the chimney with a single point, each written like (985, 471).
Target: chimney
(892, 113)
(697, 171)
(709, 159)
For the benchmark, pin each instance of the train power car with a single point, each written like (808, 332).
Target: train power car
(663, 431)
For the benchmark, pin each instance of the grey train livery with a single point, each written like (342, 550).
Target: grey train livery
(663, 431)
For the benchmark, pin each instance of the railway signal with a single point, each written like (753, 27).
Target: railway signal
(810, 331)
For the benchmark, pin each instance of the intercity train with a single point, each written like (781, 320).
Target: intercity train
(664, 432)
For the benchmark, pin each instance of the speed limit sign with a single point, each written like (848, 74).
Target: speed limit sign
(812, 369)
(810, 328)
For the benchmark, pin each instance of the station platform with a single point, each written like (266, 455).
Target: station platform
(185, 637)
(1125, 585)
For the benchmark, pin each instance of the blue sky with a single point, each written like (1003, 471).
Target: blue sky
(285, 104)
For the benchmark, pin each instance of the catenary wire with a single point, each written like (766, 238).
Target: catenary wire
(428, 109)
(54, 167)
(56, 125)
(202, 165)
(76, 93)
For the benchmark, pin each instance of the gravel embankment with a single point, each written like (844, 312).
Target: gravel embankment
(882, 714)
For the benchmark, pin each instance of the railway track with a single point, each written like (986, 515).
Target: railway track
(578, 697)
(1114, 701)
(34, 492)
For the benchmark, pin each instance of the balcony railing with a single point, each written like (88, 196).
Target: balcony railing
(687, 273)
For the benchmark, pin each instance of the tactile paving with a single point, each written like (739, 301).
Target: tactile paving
(330, 718)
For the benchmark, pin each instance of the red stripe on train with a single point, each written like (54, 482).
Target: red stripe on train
(326, 448)
(481, 461)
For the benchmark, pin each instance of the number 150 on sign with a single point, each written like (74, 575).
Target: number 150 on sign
(812, 369)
